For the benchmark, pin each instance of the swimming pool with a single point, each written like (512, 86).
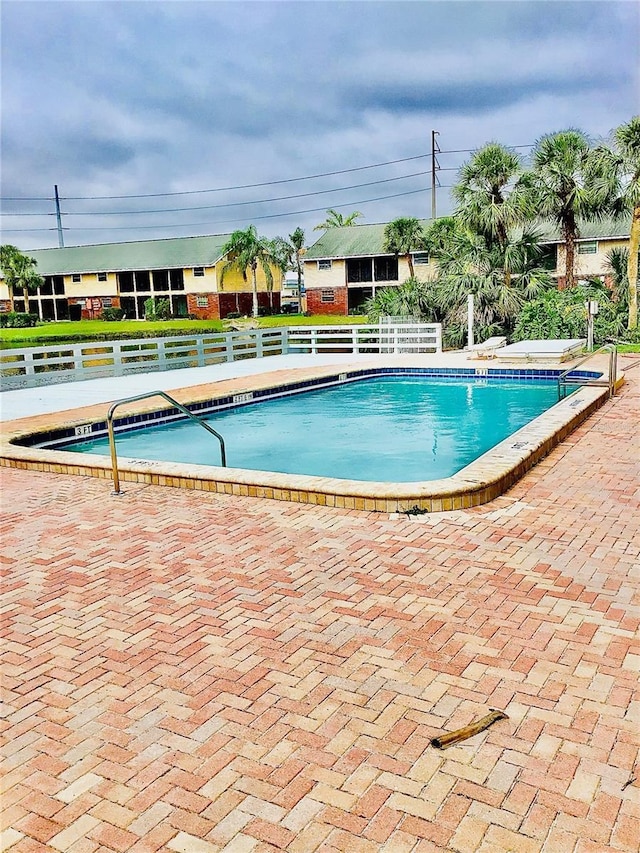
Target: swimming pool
(34, 443)
(402, 428)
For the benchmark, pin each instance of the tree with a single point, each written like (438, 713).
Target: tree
(617, 267)
(627, 138)
(19, 271)
(248, 251)
(413, 299)
(501, 279)
(297, 242)
(493, 193)
(402, 236)
(337, 220)
(622, 165)
(567, 187)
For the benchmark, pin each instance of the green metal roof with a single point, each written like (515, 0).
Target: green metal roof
(362, 240)
(602, 230)
(173, 253)
(350, 241)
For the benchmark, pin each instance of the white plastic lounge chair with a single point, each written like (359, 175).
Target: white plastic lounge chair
(488, 348)
(552, 350)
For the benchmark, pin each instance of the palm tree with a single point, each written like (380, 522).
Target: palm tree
(297, 243)
(493, 193)
(617, 267)
(622, 165)
(248, 251)
(413, 298)
(628, 141)
(19, 271)
(565, 185)
(337, 220)
(402, 236)
(501, 279)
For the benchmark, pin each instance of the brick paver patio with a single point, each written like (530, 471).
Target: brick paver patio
(191, 672)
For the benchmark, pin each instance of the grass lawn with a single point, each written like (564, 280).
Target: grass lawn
(99, 330)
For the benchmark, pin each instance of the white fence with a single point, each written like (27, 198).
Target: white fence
(383, 338)
(28, 368)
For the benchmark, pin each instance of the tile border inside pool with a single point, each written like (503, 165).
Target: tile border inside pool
(479, 482)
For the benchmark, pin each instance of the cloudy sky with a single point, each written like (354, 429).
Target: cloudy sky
(159, 119)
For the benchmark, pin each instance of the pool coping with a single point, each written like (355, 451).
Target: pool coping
(477, 483)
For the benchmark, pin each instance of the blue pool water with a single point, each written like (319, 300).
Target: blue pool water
(391, 428)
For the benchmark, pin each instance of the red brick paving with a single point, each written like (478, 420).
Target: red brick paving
(190, 672)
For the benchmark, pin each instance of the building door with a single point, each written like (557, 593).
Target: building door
(180, 308)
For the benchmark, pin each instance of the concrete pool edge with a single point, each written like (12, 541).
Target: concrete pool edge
(479, 482)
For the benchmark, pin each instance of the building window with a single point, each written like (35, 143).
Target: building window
(102, 276)
(385, 269)
(143, 281)
(198, 272)
(202, 301)
(125, 282)
(107, 302)
(420, 258)
(590, 247)
(359, 269)
(324, 265)
(76, 278)
(160, 280)
(176, 280)
(548, 259)
(327, 296)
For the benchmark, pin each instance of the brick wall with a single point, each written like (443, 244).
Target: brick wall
(90, 313)
(210, 312)
(242, 303)
(222, 304)
(315, 305)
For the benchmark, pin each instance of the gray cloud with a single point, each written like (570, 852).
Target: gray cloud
(143, 97)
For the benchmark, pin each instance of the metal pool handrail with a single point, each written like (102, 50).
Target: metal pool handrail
(183, 409)
(613, 370)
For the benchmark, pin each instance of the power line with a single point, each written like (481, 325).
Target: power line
(227, 204)
(221, 221)
(224, 189)
(260, 184)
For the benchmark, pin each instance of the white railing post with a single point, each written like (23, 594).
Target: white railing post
(78, 360)
(162, 354)
(259, 343)
(29, 369)
(228, 345)
(118, 367)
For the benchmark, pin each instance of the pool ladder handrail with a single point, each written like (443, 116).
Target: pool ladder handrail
(177, 405)
(610, 383)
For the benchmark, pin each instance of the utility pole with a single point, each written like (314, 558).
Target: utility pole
(59, 219)
(434, 166)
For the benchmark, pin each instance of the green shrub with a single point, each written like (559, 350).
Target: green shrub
(157, 309)
(562, 314)
(112, 315)
(18, 320)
